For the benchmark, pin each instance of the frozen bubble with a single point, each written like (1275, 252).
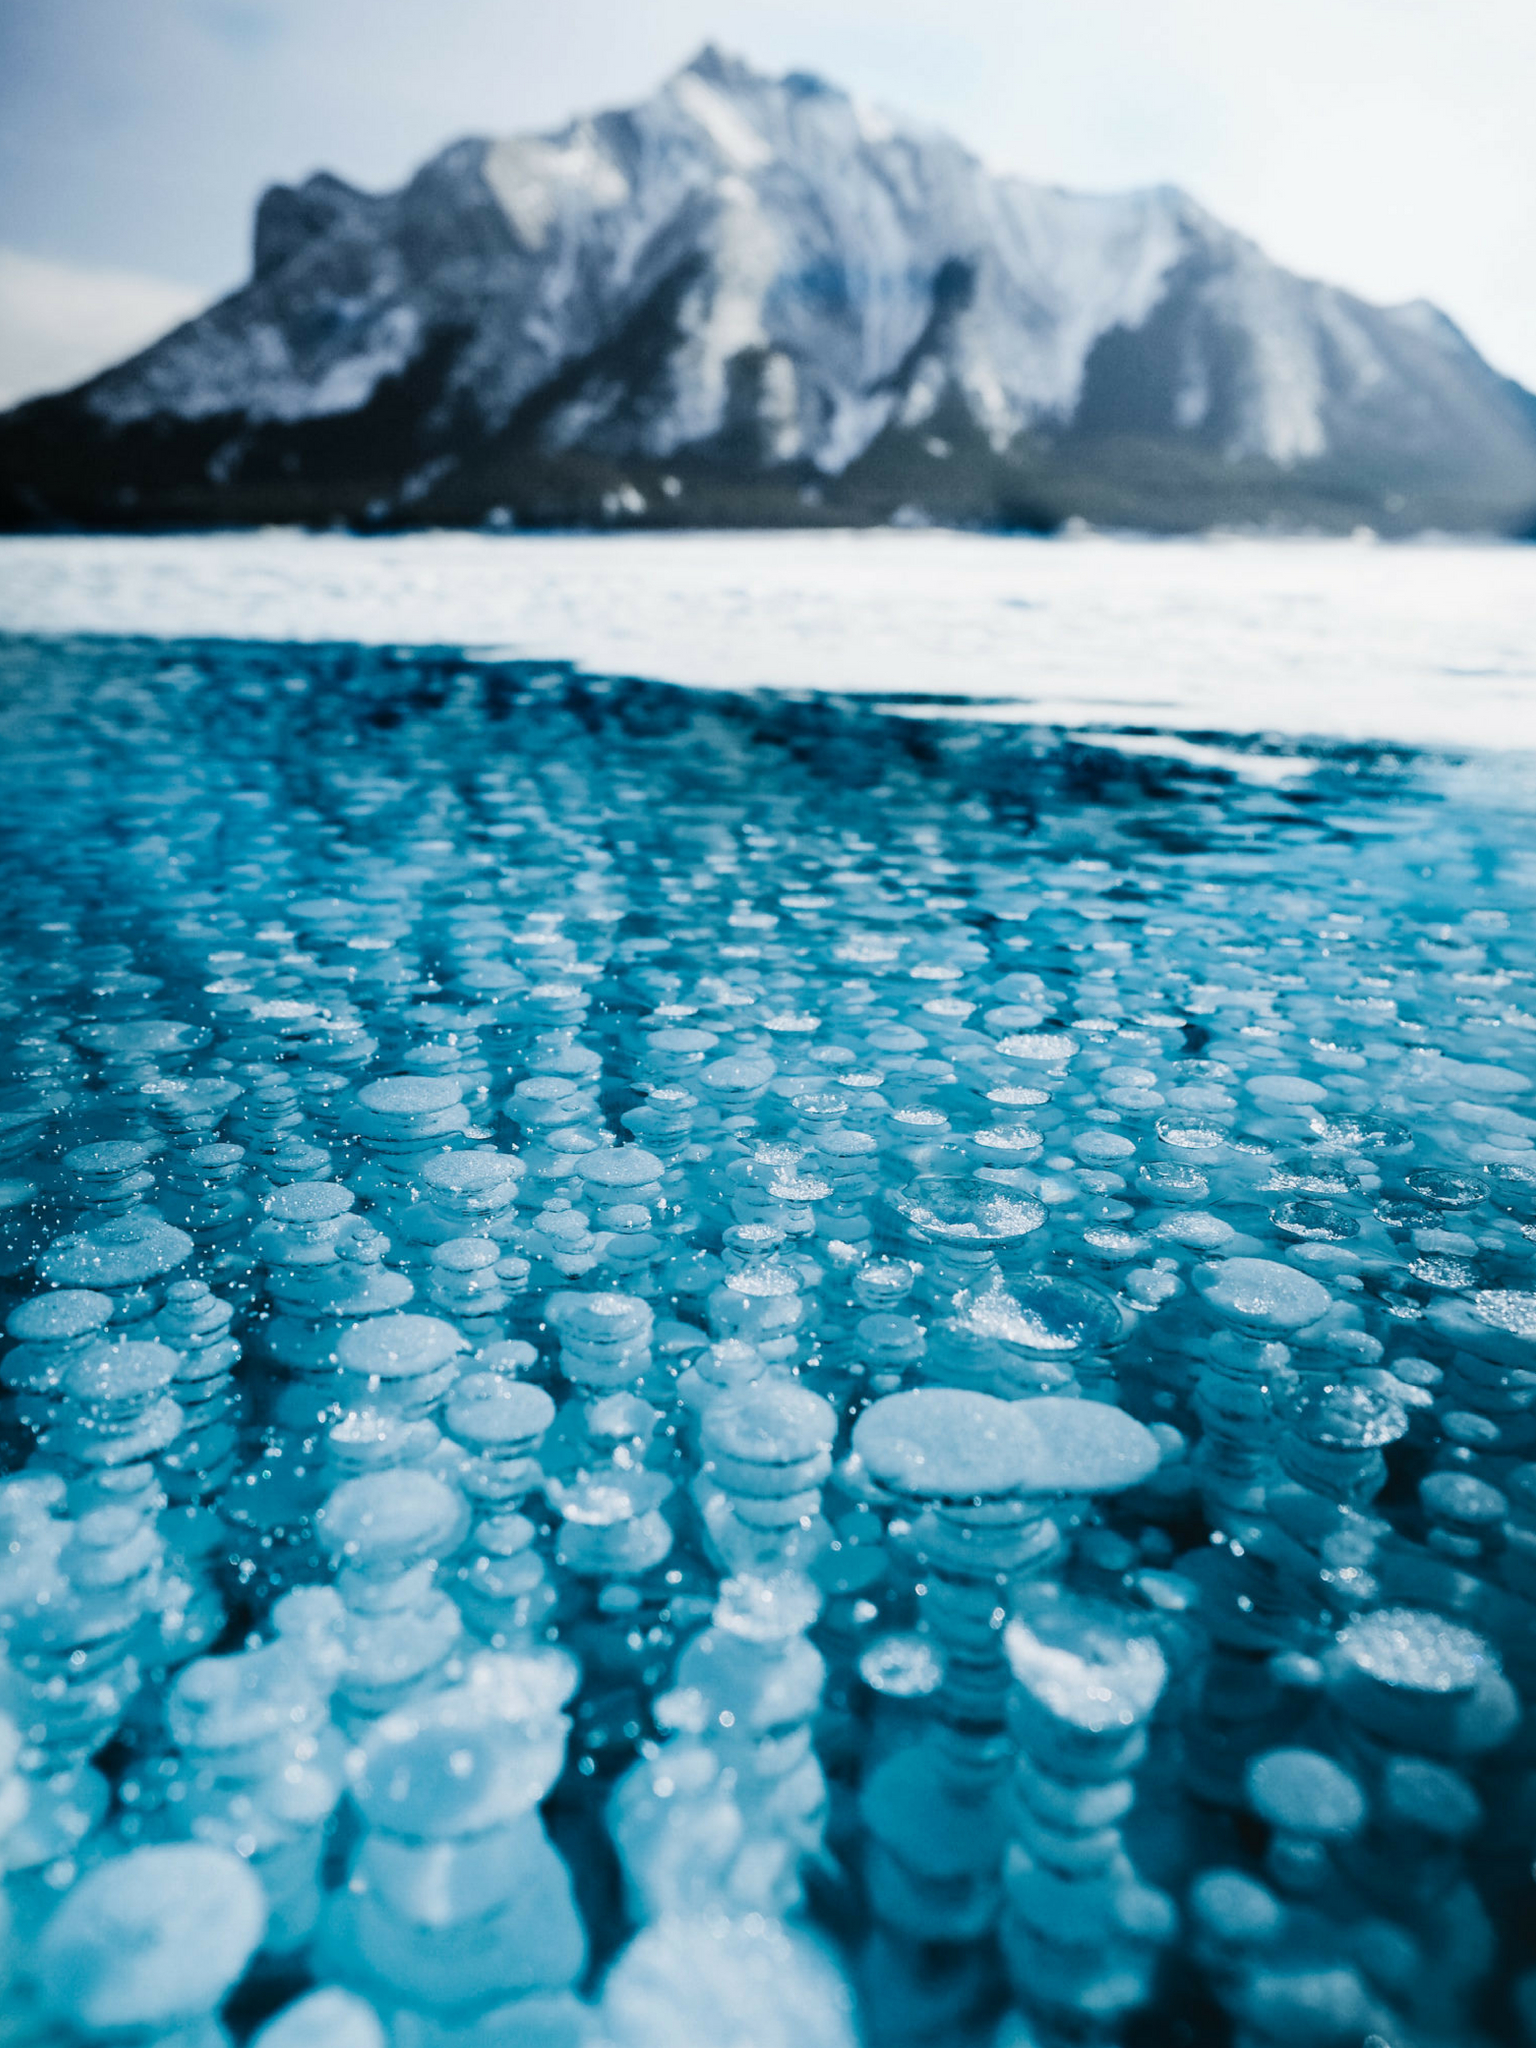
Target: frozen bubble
(601, 1318)
(944, 1443)
(492, 1411)
(1287, 1090)
(1260, 1295)
(767, 1610)
(435, 1783)
(1474, 1079)
(229, 1703)
(1420, 1793)
(1009, 1018)
(127, 1370)
(624, 1166)
(1128, 1077)
(60, 1318)
(1187, 1134)
(1352, 1418)
(1442, 1190)
(686, 1983)
(775, 1422)
(399, 1347)
(1311, 1175)
(1462, 1499)
(1038, 1048)
(1086, 1447)
(1042, 1312)
(123, 1253)
(621, 1418)
(1167, 1181)
(408, 1096)
(1414, 1651)
(1196, 1228)
(328, 2018)
(1315, 1222)
(146, 1038)
(1304, 1792)
(309, 1201)
(391, 1518)
(1080, 1660)
(151, 1939)
(767, 1282)
(1100, 1147)
(1111, 1244)
(471, 1173)
(1232, 1908)
(1008, 1141)
(967, 1211)
(109, 1157)
(1507, 1310)
(1365, 1133)
(466, 1254)
(904, 1667)
(1018, 1098)
(603, 1500)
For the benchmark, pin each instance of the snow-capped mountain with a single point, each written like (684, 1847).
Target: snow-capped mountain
(752, 298)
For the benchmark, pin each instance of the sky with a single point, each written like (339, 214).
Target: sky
(1385, 145)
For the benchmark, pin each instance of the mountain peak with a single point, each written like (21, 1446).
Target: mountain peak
(723, 69)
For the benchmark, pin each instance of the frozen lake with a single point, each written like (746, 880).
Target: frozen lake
(1429, 644)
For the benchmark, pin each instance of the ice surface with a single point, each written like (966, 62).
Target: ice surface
(685, 1370)
(1421, 645)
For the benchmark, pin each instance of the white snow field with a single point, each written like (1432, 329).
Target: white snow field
(1426, 644)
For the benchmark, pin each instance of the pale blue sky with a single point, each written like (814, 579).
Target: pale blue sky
(1387, 145)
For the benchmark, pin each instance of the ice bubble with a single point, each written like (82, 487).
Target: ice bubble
(624, 1166)
(1183, 1135)
(686, 1983)
(767, 1610)
(328, 2018)
(391, 1519)
(1315, 1222)
(1508, 1311)
(151, 1939)
(493, 1412)
(1079, 1659)
(1038, 1048)
(1305, 1793)
(399, 1347)
(1259, 1295)
(775, 1422)
(1166, 1181)
(410, 1098)
(902, 1667)
(1414, 1651)
(309, 1202)
(1442, 1190)
(1234, 1909)
(967, 1211)
(124, 1253)
(61, 1318)
(943, 1443)
(1086, 1447)
(1043, 1312)
(1196, 1228)
(1287, 1090)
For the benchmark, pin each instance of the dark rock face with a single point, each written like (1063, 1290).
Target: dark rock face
(751, 300)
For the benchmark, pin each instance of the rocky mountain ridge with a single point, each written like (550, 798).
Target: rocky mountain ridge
(753, 300)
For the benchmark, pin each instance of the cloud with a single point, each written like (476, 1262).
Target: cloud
(62, 322)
